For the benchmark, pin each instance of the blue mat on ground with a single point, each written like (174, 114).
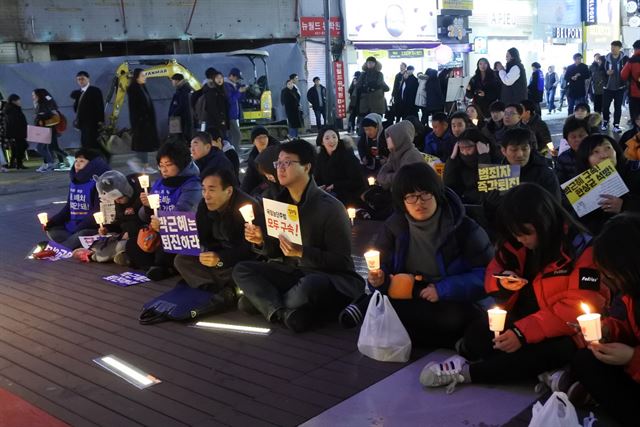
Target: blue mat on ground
(400, 400)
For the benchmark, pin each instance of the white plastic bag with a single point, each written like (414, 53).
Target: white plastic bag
(382, 336)
(556, 412)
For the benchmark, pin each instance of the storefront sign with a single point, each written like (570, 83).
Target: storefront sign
(341, 100)
(456, 4)
(567, 33)
(376, 20)
(502, 19)
(589, 12)
(412, 53)
(313, 26)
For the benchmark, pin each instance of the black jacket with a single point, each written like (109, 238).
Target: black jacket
(491, 88)
(517, 92)
(127, 219)
(435, 96)
(215, 160)
(181, 107)
(342, 170)
(252, 179)
(290, 98)
(411, 88)
(16, 122)
(540, 130)
(223, 232)
(142, 114)
(577, 89)
(89, 108)
(213, 107)
(463, 178)
(312, 97)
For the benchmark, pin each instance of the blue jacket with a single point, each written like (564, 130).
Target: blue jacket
(462, 256)
(234, 96)
(440, 147)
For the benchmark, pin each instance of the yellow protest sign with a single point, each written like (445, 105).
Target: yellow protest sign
(282, 218)
(498, 177)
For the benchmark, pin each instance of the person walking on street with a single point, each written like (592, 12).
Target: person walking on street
(513, 77)
(16, 131)
(89, 109)
(550, 85)
(615, 87)
(598, 81)
(144, 134)
(408, 90)
(180, 117)
(576, 76)
(317, 97)
(46, 111)
(536, 83)
(631, 73)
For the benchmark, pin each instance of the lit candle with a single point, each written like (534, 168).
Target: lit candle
(144, 182)
(590, 324)
(550, 145)
(373, 259)
(372, 181)
(352, 214)
(247, 213)
(43, 217)
(154, 202)
(497, 316)
(475, 122)
(99, 217)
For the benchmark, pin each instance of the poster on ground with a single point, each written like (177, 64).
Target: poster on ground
(282, 218)
(498, 177)
(126, 279)
(179, 233)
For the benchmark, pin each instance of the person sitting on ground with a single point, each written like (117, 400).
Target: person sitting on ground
(495, 124)
(124, 193)
(372, 145)
(573, 131)
(267, 170)
(180, 190)
(221, 235)
(253, 184)
(400, 143)
(458, 123)
(337, 170)
(308, 277)
(75, 219)
(475, 116)
(218, 141)
(609, 369)
(433, 260)
(512, 119)
(440, 141)
(205, 155)
(461, 170)
(598, 148)
(535, 124)
(544, 268)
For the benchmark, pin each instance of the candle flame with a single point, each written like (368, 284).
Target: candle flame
(585, 308)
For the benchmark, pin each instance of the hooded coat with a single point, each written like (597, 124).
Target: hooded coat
(181, 107)
(142, 114)
(368, 147)
(371, 88)
(252, 184)
(264, 161)
(404, 152)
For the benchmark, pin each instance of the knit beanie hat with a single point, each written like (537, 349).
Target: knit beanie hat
(112, 185)
(257, 131)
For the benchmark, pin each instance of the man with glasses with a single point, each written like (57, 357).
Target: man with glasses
(512, 119)
(300, 280)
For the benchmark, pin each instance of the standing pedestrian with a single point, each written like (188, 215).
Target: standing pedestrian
(212, 108)
(421, 97)
(631, 73)
(353, 101)
(563, 87)
(615, 87)
(536, 83)
(16, 131)
(396, 96)
(371, 89)
(576, 76)
(408, 90)
(46, 115)
(598, 81)
(142, 114)
(180, 108)
(290, 98)
(513, 77)
(317, 97)
(550, 85)
(235, 92)
(484, 87)
(435, 97)
(89, 109)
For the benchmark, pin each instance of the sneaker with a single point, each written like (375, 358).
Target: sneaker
(579, 396)
(616, 129)
(122, 258)
(558, 380)
(71, 160)
(43, 168)
(246, 306)
(82, 254)
(604, 127)
(62, 167)
(353, 314)
(298, 319)
(447, 373)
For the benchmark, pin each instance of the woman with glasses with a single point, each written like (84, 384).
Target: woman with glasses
(432, 259)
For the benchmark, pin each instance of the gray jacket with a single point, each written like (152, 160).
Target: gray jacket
(404, 152)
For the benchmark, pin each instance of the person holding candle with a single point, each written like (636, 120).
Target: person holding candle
(253, 183)
(337, 170)
(433, 260)
(179, 189)
(548, 258)
(221, 233)
(609, 369)
(76, 217)
(300, 281)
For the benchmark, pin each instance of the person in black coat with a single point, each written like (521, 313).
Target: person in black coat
(408, 90)
(290, 98)
(576, 76)
(181, 106)
(396, 96)
(337, 169)
(16, 131)
(317, 97)
(435, 96)
(142, 114)
(89, 109)
(253, 184)
(212, 107)
(484, 86)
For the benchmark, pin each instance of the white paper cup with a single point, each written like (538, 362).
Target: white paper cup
(497, 318)
(99, 217)
(590, 326)
(372, 181)
(144, 181)
(373, 259)
(247, 213)
(43, 217)
(351, 212)
(154, 201)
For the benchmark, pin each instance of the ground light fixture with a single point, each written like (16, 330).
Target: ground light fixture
(127, 372)
(226, 327)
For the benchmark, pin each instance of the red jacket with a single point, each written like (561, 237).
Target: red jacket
(631, 71)
(627, 332)
(559, 290)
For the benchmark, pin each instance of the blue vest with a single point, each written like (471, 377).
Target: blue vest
(169, 196)
(80, 204)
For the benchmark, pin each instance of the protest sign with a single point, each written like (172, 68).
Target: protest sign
(178, 232)
(282, 218)
(126, 279)
(108, 209)
(498, 177)
(53, 250)
(435, 163)
(584, 191)
(87, 241)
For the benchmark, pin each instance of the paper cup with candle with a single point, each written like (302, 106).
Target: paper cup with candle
(43, 217)
(372, 181)
(144, 182)
(590, 324)
(154, 203)
(352, 214)
(373, 260)
(247, 213)
(99, 217)
(497, 317)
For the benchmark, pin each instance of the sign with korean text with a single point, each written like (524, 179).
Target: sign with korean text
(589, 12)
(498, 177)
(411, 53)
(282, 218)
(126, 279)
(179, 233)
(435, 163)
(87, 241)
(341, 99)
(55, 251)
(456, 4)
(584, 191)
(313, 26)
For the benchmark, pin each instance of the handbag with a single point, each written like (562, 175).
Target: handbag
(62, 123)
(52, 121)
(148, 240)
(382, 336)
